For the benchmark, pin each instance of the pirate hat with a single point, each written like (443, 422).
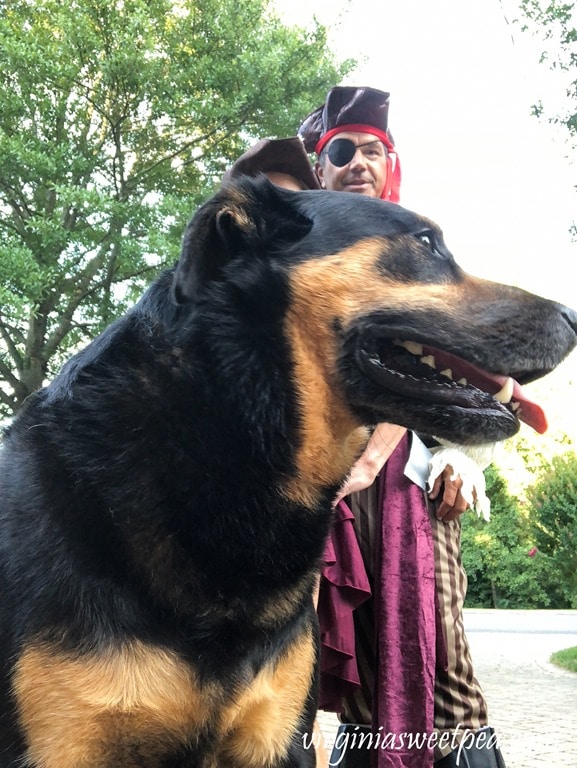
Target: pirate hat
(358, 110)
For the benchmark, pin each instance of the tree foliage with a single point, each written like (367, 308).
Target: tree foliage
(503, 568)
(526, 556)
(554, 521)
(556, 23)
(117, 117)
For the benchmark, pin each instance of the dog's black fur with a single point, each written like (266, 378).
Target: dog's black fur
(164, 502)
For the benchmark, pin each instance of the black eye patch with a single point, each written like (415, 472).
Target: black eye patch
(341, 152)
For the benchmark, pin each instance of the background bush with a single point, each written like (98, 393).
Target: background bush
(503, 566)
(553, 500)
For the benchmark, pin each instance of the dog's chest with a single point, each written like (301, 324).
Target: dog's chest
(140, 705)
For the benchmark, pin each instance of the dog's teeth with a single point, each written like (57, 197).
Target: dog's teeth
(448, 373)
(464, 382)
(515, 405)
(413, 347)
(506, 393)
(429, 360)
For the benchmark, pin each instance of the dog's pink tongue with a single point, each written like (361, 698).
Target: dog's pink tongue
(529, 411)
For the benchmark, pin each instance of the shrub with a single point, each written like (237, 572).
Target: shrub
(504, 568)
(553, 498)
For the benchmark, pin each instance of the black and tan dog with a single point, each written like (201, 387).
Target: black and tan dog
(164, 502)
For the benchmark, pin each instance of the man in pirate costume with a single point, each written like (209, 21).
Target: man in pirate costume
(413, 664)
(394, 653)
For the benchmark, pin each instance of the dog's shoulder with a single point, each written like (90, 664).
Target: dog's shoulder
(134, 335)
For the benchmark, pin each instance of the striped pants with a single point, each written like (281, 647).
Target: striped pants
(459, 703)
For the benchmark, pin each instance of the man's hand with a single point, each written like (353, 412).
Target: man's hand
(459, 469)
(453, 502)
(381, 444)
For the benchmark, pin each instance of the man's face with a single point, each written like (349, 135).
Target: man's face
(365, 172)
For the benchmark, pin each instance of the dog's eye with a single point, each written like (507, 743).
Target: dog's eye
(426, 238)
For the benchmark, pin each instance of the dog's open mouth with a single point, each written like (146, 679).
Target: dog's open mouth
(418, 371)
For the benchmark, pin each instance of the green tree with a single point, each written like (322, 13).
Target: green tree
(554, 521)
(555, 22)
(117, 117)
(503, 567)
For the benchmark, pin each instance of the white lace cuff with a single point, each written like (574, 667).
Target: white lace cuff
(468, 463)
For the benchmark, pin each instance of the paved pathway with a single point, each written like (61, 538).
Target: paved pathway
(533, 705)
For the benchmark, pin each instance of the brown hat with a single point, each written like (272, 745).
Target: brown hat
(276, 156)
(361, 110)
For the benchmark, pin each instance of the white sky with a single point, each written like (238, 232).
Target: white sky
(498, 181)
(462, 82)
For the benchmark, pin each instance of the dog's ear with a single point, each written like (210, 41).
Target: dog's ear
(249, 215)
(209, 242)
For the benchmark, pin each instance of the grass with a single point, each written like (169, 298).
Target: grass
(566, 659)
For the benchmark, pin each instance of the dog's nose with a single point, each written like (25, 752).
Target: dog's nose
(570, 316)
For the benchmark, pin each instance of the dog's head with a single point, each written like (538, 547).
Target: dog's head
(381, 322)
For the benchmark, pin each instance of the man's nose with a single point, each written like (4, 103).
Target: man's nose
(359, 160)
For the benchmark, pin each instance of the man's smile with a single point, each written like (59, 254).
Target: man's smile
(357, 183)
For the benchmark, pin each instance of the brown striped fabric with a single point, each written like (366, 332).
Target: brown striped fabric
(459, 700)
